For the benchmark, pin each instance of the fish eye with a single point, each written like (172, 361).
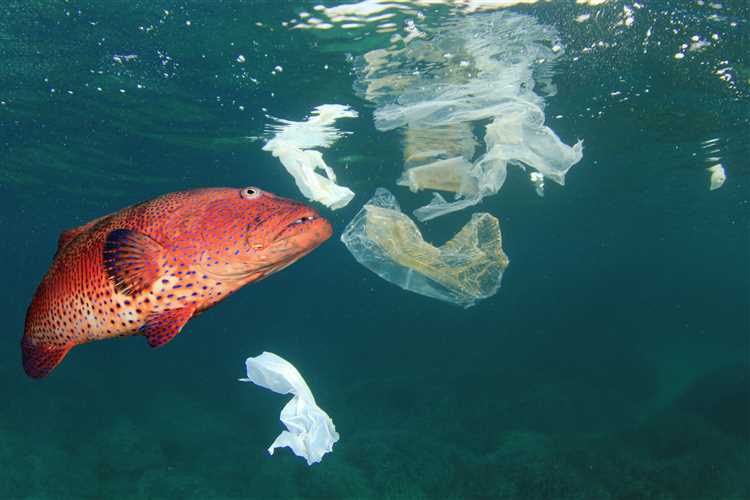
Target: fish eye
(250, 193)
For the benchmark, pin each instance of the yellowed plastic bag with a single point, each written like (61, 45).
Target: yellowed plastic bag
(467, 268)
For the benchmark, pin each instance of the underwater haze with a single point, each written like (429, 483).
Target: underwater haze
(612, 364)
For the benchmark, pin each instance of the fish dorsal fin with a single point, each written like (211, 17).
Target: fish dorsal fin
(70, 234)
(163, 327)
(131, 260)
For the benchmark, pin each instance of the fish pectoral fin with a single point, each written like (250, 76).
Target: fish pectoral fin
(40, 358)
(131, 260)
(164, 326)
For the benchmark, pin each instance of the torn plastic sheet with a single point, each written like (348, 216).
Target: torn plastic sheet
(293, 144)
(464, 270)
(310, 431)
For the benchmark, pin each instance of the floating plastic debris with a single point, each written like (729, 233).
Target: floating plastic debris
(293, 145)
(496, 62)
(464, 270)
(310, 431)
(718, 176)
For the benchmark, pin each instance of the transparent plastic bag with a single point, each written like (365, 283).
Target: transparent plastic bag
(465, 269)
(441, 89)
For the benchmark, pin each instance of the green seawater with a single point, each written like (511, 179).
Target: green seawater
(614, 362)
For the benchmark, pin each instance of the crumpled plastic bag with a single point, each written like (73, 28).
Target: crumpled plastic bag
(467, 268)
(496, 69)
(293, 145)
(310, 431)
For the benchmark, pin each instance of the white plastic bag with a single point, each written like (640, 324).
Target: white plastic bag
(310, 431)
(293, 144)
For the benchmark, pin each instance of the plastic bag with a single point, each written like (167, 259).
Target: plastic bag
(467, 268)
(310, 431)
(441, 88)
(293, 145)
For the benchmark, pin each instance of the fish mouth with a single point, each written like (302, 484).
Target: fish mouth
(307, 219)
(307, 222)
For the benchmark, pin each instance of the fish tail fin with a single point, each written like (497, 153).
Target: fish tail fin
(40, 358)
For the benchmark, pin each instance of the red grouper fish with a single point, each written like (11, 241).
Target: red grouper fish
(149, 268)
